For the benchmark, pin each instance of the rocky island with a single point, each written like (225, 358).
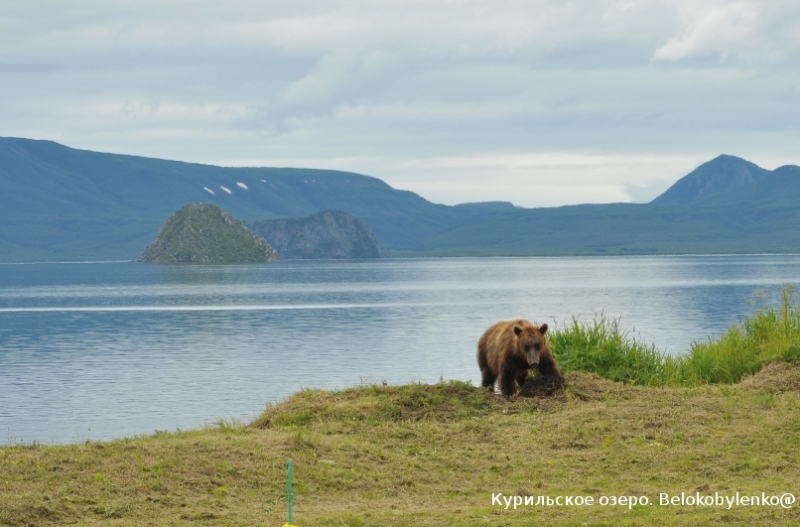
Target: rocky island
(204, 233)
(330, 234)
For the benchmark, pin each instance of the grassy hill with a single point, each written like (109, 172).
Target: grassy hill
(204, 233)
(434, 455)
(58, 203)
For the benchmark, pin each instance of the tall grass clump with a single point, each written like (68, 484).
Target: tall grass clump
(601, 347)
(769, 334)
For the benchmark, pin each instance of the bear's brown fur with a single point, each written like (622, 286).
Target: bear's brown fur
(507, 350)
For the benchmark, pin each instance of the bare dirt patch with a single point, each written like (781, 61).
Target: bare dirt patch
(542, 386)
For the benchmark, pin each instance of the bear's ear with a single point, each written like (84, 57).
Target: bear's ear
(543, 328)
(517, 331)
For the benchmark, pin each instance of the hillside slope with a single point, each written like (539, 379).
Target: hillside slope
(718, 176)
(719, 228)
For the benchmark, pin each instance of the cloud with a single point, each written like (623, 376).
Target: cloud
(745, 29)
(445, 97)
(527, 180)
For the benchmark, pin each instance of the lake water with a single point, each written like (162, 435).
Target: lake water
(104, 350)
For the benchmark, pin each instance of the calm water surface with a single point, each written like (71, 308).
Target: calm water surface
(103, 350)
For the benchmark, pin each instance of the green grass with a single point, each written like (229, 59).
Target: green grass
(433, 455)
(601, 346)
(768, 335)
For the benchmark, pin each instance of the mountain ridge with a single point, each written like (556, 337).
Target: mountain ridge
(722, 174)
(58, 203)
(123, 200)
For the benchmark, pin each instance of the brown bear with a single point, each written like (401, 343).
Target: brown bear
(509, 349)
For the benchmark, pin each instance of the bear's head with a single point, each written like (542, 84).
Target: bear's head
(532, 341)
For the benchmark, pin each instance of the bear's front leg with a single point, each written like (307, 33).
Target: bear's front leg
(508, 385)
(548, 366)
(521, 379)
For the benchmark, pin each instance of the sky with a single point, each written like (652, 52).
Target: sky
(539, 102)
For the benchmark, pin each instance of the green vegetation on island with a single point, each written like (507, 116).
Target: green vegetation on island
(378, 455)
(329, 234)
(204, 233)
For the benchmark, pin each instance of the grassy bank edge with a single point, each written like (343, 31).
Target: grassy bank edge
(601, 346)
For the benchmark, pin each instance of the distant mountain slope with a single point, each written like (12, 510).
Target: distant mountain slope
(328, 234)
(718, 176)
(760, 216)
(204, 233)
(778, 188)
(61, 203)
(622, 229)
(58, 203)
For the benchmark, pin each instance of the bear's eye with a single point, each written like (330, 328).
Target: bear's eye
(537, 346)
(527, 347)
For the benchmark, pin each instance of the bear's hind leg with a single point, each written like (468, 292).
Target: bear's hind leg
(487, 374)
(487, 378)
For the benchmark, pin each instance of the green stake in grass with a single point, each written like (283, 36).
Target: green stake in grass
(289, 495)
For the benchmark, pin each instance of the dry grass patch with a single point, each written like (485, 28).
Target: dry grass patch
(778, 376)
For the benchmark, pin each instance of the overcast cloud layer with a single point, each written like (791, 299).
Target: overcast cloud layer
(541, 103)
